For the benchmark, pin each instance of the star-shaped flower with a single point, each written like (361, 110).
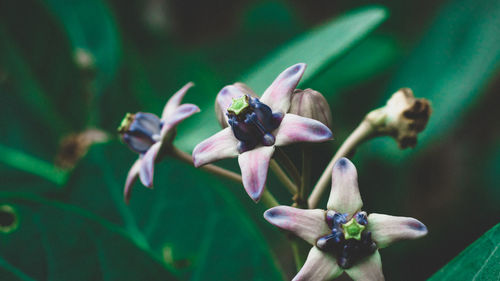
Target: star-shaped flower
(344, 238)
(257, 126)
(151, 136)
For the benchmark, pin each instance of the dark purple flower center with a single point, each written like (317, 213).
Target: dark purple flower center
(349, 241)
(252, 122)
(140, 131)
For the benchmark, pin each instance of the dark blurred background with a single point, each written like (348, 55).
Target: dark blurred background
(70, 66)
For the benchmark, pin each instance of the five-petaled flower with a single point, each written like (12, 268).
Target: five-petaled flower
(151, 136)
(344, 238)
(257, 126)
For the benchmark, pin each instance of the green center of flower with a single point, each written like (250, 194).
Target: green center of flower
(352, 229)
(239, 105)
(126, 122)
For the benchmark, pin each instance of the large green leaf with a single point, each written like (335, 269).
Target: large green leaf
(480, 261)
(190, 220)
(56, 241)
(319, 48)
(451, 66)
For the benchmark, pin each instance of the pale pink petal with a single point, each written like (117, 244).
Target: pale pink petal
(180, 113)
(368, 269)
(388, 229)
(254, 165)
(223, 101)
(319, 266)
(132, 175)
(175, 101)
(146, 172)
(296, 128)
(344, 196)
(279, 94)
(306, 224)
(219, 146)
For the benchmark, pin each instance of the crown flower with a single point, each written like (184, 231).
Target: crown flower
(253, 127)
(343, 237)
(151, 137)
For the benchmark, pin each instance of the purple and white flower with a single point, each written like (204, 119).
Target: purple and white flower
(344, 238)
(151, 136)
(257, 126)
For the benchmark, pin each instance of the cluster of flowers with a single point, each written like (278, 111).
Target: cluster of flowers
(343, 237)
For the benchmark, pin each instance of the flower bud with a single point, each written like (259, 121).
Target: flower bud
(140, 131)
(311, 104)
(403, 117)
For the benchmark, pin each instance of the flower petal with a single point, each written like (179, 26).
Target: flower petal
(175, 101)
(278, 95)
(254, 165)
(219, 146)
(307, 224)
(319, 266)
(369, 269)
(180, 113)
(146, 172)
(344, 196)
(387, 229)
(296, 128)
(132, 175)
(223, 101)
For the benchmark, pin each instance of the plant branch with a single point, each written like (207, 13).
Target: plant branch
(362, 133)
(290, 186)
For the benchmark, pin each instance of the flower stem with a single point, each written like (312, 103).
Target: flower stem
(362, 133)
(301, 199)
(290, 168)
(267, 198)
(290, 186)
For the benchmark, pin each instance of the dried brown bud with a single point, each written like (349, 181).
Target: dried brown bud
(74, 146)
(311, 104)
(403, 117)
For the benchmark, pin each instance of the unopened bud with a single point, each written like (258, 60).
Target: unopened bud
(311, 104)
(403, 117)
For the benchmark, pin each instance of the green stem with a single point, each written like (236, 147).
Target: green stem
(281, 175)
(301, 199)
(290, 168)
(267, 198)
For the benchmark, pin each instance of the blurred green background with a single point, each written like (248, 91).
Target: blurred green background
(69, 66)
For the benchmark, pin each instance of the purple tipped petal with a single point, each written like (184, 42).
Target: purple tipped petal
(254, 164)
(223, 101)
(296, 128)
(388, 229)
(132, 175)
(344, 196)
(319, 266)
(307, 224)
(180, 113)
(369, 269)
(175, 101)
(278, 95)
(219, 146)
(148, 165)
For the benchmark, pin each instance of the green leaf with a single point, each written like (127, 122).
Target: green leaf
(75, 246)
(319, 48)
(451, 67)
(190, 220)
(479, 261)
(27, 163)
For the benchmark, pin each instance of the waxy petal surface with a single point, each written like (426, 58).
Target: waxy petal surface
(278, 95)
(146, 172)
(219, 146)
(180, 113)
(175, 101)
(368, 269)
(306, 224)
(344, 196)
(254, 165)
(296, 128)
(388, 229)
(319, 266)
(132, 175)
